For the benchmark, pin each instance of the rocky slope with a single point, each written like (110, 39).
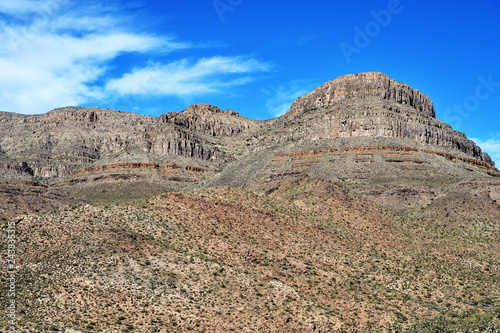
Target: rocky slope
(63, 140)
(357, 211)
(16, 198)
(367, 105)
(287, 254)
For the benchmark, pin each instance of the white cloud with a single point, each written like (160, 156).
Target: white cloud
(281, 98)
(52, 61)
(55, 51)
(44, 7)
(186, 77)
(490, 146)
(48, 70)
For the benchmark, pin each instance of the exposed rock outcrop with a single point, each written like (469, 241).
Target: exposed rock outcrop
(375, 149)
(370, 105)
(210, 119)
(366, 105)
(63, 140)
(363, 85)
(138, 166)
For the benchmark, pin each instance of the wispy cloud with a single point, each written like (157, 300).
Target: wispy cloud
(187, 77)
(53, 60)
(281, 98)
(490, 146)
(29, 6)
(54, 52)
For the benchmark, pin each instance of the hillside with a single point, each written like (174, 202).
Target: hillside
(356, 211)
(307, 254)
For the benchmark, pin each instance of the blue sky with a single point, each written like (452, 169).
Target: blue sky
(255, 56)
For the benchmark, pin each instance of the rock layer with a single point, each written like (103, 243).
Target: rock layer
(363, 85)
(63, 140)
(368, 105)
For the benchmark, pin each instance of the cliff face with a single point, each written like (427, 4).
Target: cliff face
(366, 105)
(63, 140)
(362, 85)
(370, 105)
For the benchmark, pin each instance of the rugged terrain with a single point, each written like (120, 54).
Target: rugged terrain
(357, 210)
(350, 108)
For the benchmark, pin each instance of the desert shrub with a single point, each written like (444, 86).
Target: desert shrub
(465, 323)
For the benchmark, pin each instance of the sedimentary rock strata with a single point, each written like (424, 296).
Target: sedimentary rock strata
(366, 105)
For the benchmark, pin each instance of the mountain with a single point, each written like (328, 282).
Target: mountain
(64, 140)
(357, 210)
(351, 108)
(372, 105)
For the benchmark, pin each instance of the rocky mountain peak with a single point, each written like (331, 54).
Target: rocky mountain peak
(367, 109)
(362, 85)
(207, 109)
(210, 119)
